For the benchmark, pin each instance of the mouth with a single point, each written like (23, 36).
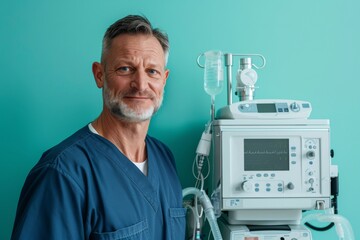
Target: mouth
(140, 98)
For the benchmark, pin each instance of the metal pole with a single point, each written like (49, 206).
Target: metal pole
(228, 64)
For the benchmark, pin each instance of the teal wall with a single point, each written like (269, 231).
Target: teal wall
(48, 92)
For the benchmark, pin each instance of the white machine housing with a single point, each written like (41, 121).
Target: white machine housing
(271, 170)
(242, 232)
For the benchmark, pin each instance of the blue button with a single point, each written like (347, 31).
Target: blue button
(280, 110)
(280, 189)
(293, 154)
(268, 189)
(266, 175)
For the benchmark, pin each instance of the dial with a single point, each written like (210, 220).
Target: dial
(248, 77)
(247, 186)
(295, 107)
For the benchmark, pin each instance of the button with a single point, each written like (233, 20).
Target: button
(268, 184)
(257, 190)
(280, 189)
(258, 174)
(266, 175)
(306, 105)
(293, 162)
(280, 110)
(286, 110)
(273, 175)
(268, 189)
(293, 155)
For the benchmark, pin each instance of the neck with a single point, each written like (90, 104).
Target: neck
(128, 137)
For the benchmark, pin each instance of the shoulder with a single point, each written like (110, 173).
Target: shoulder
(67, 147)
(73, 157)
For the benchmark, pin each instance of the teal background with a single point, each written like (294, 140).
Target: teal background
(48, 92)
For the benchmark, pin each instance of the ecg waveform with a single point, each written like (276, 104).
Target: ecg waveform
(266, 152)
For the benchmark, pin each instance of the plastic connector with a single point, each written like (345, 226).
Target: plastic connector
(204, 145)
(334, 171)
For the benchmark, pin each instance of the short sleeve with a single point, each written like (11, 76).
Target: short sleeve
(50, 207)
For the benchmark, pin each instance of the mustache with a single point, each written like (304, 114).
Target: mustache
(136, 93)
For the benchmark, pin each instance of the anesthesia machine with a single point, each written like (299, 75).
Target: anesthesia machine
(271, 169)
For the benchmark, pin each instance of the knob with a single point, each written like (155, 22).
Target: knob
(311, 181)
(332, 153)
(294, 107)
(310, 155)
(290, 186)
(247, 186)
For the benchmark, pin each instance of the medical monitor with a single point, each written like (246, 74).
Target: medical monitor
(267, 165)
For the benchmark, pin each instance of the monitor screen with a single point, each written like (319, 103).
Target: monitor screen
(266, 154)
(266, 108)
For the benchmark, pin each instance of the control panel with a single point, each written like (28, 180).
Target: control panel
(266, 109)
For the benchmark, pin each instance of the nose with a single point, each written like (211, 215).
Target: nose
(140, 80)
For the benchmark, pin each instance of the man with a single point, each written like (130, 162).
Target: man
(110, 180)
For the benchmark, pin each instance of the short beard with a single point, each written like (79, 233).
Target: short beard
(114, 102)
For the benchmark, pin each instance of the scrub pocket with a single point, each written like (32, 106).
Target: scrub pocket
(138, 231)
(178, 222)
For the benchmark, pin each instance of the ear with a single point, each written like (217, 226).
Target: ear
(166, 75)
(98, 73)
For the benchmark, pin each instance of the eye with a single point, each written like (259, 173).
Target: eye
(153, 72)
(124, 70)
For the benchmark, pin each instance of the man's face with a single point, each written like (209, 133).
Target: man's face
(134, 77)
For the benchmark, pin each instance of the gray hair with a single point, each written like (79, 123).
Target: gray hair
(135, 24)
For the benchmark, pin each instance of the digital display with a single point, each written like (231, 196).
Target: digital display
(266, 154)
(266, 108)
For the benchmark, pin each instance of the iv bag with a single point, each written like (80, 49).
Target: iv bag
(214, 72)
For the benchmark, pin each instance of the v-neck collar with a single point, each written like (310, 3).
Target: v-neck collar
(147, 185)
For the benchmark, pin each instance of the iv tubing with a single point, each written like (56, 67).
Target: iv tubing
(208, 208)
(212, 111)
(343, 227)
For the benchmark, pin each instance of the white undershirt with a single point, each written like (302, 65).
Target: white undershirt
(143, 166)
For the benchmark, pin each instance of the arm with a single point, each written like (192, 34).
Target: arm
(50, 207)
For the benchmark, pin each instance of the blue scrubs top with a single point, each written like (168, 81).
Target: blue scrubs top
(85, 188)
